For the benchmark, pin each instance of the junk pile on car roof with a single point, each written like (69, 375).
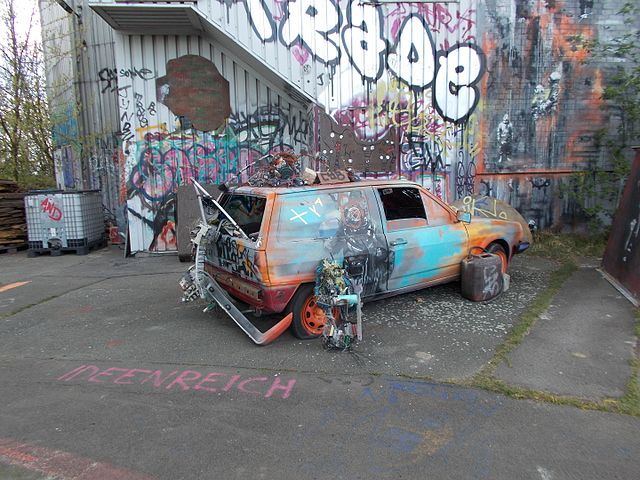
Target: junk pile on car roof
(285, 169)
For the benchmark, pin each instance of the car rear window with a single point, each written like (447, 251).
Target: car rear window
(246, 210)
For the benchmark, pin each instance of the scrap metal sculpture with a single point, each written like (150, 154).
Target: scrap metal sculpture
(197, 283)
(334, 292)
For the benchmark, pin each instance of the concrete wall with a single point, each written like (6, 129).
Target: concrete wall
(496, 97)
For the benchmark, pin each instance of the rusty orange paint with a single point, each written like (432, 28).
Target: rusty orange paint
(489, 44)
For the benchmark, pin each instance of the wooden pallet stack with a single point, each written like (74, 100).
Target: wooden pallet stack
(13, 224)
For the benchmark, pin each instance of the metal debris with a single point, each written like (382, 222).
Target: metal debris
(335, 295)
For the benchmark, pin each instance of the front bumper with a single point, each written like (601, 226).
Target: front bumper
(521, 247)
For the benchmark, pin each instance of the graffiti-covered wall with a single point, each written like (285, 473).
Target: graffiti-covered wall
(190, 110)
(496, 97)
(544, 110)
(398, 85)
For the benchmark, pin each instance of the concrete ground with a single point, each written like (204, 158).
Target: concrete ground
(582, 345)
(105, 374)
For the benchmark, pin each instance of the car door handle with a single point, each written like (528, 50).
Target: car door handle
(398, 241)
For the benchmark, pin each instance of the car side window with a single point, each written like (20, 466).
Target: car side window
(438, 215)
(403, 207)
(322, 215)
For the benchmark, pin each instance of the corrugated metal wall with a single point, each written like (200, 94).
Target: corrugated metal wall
(77, 46)
(163, 150)
(58, 43)
(398, 84)
(468, 97)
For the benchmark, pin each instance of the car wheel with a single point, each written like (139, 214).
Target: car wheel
(499, 250)
(308, 318)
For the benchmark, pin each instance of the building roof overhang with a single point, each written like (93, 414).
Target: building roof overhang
(184, 18)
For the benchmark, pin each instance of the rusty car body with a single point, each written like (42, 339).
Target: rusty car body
(392, 236)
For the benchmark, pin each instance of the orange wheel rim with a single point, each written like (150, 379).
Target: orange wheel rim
(503, 259)
(313, 318)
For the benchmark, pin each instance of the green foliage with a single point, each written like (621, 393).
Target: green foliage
(567, 247)
(597, 191)
(26, 152)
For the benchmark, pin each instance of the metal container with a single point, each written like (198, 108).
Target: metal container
(58, 220)
(481, 277)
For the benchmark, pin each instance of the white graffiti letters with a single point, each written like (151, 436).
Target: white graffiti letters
(413, 59)
(315, 24)
(455, 94)
(261, 19)
(320, 31)
(363, 40)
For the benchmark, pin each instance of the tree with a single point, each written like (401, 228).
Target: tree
(26, 151)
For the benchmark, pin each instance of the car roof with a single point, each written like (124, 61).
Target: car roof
(248, 189)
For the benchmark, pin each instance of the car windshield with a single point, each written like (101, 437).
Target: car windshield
(246, 210)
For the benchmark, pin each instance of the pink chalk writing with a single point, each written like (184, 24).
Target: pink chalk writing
(266, 387)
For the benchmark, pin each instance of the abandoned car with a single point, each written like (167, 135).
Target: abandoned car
(391, 236)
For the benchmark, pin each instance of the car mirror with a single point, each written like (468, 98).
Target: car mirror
(463, 216)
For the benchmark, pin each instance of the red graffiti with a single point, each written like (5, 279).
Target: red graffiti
(265, 387)
(51, 209)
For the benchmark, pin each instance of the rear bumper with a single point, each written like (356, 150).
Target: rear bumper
(267, 299)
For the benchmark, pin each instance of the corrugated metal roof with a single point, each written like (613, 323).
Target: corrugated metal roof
(154, 19)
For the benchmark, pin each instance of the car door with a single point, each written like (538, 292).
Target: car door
(337, 224)
(426, 241)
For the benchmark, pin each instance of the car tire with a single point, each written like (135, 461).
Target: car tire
(308, 318)
(498, 249)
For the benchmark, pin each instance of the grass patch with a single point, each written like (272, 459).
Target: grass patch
(567, 247)
(630, 401)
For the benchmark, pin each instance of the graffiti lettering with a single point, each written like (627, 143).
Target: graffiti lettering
(421, 154)
(455, 94)
(320, 41)
(140, 111)
(236, 257)
(438, 17)
(363, 40)
(269, 125)
(485, 206)
(183, 380)
(51, 209)
(108, 77)
(143, 73)
(492, 286)
(465, 178)
(126, 128)
(412, 61)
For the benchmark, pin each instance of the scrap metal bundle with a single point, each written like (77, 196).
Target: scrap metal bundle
(334, 293)
(283, 170)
